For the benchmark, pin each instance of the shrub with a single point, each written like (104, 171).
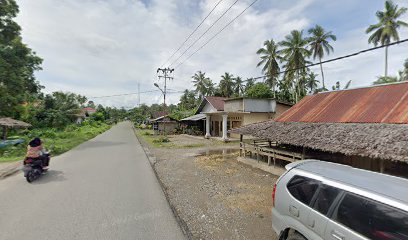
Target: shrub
(161, 140)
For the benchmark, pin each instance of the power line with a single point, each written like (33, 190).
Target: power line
(337, 58)
(222, 15)
(124, 94)
(289, 70)
(222, 29)
(192, 32)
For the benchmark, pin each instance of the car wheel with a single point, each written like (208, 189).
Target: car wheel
(295, 236)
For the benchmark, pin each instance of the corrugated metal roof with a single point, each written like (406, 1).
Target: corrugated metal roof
(377, 104)
(194, 117)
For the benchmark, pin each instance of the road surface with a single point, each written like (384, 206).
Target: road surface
(103, 189)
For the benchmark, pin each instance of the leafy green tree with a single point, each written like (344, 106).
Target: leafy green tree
(17, 64)
(203, 84)
(259, 90)
(319, 45)
(404, 72)
(249, 83)
(238, 86)
(387, 27)
(295, 54)
(385, 80)
(187, 100)
(312, 82)
(226, 85)
(269, 55)
(338, 87)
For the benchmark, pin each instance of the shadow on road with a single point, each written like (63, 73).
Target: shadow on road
(96, 144)
(51, 176)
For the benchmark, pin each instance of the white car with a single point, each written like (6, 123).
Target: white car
(318, 200)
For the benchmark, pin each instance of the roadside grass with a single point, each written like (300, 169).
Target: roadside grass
(58, 141)
(158, 141)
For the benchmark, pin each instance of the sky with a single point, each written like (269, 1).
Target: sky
(109, 47)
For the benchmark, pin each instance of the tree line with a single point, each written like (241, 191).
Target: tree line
(292, 54)
(20, 92)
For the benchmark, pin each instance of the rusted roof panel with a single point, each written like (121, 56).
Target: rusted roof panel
(377, 104)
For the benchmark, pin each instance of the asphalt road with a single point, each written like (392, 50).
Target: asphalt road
(103, 189)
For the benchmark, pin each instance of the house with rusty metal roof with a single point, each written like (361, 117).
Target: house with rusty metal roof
(217, 115)
(362, 127)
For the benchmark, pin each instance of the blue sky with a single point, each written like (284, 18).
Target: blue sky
(105, 47)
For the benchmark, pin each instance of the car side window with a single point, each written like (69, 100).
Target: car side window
(372, 219)
(325, 198)
(302, 188)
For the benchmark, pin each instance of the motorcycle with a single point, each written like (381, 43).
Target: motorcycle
(34, 168)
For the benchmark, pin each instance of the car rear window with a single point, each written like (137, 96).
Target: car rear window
(372, 219)
(302, 188)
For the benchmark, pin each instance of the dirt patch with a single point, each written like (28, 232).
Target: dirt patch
(216, 196)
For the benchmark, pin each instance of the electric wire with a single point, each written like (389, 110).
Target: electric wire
(288, 70)
(337, 58)
(208, 29)
(189, 36)
(222, 29)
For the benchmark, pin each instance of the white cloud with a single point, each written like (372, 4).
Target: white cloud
(100, 47)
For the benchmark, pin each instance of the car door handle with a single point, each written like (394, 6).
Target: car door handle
(294, 211)
(311, 223)
(337, 235)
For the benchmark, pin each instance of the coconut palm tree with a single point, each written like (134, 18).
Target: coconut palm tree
(295, 54)
(269, 60)
(238, 86)
(387, 27)
(200, 82)
(312, 82)
(226, 85)
(319, 45)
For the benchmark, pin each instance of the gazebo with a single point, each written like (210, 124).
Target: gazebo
(11, 123)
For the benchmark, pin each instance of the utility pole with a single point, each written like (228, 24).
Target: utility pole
(165, 72)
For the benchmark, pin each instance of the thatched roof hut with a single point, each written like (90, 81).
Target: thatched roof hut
(374, 140)
(11, 123)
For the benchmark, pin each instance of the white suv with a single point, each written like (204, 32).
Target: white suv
(320, 200)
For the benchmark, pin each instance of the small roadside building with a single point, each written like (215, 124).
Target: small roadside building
(218, 114)
(366, 128)
(164, 123)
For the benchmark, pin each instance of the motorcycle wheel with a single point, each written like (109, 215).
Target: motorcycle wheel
(30, 176)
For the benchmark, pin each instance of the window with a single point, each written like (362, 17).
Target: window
(302, 188)
(236, 124)
(372, 219)
(325, 198)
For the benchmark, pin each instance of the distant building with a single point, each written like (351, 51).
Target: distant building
(365, 128)
(163, 122)
(218, 114)
(84, 113)
(88, 111)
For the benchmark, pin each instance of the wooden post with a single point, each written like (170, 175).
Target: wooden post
(257, 154)
(4, 133)
(270, 143)
(240, 144)
(274, 159)
(269, 160)
(303, 153)
(381, 165)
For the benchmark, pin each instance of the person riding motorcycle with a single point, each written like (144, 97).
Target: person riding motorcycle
(35, 152)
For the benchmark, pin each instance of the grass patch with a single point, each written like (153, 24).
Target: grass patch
(158, 141)
(58, 141)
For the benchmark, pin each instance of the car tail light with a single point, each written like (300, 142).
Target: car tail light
(273, 195)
